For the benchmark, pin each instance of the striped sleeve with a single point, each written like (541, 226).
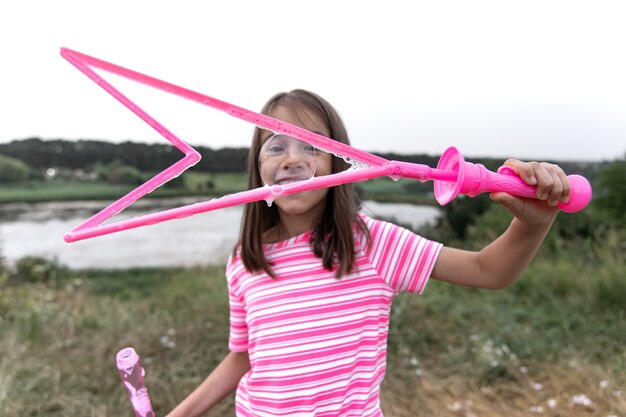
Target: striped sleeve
(238, 337)
(403, 259)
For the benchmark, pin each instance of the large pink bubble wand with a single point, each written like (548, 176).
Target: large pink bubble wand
(132, 374)
(453, 175)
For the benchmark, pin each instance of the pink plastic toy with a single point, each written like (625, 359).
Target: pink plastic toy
(452, 176)
(131, 372)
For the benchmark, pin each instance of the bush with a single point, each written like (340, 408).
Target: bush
(463, 211)
(177, 183)
(609, 286)
(610, 192)
(118, 173)
(487, 226)
(13, 170)
(36, 269)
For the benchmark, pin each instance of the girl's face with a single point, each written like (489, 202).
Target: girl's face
(284, 160)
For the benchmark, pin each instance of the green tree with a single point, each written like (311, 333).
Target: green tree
(610, 191)
(118, 173)
(13, 170)
(463, 211)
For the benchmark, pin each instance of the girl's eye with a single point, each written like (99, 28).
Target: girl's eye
(276, 149)
(310, 149)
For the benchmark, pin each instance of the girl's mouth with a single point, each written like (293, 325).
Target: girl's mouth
(291, 180)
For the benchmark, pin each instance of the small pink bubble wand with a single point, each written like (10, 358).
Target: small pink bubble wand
(132, 374)
(453, 175)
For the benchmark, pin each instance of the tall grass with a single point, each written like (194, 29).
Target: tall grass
(59, 340)
(555, 336)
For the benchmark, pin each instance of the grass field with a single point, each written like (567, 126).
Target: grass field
(382, 189)
(550, 345)
(64, 190)
(61, 191)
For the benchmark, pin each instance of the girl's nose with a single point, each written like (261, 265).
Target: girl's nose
(295, 157)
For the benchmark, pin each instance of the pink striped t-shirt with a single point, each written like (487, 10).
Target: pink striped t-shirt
(318, 344)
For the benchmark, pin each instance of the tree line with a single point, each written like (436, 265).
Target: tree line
(130, 162)
(85, 154)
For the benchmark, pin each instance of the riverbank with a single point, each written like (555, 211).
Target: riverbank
(379, 189)
(533, 349)
(48, 191)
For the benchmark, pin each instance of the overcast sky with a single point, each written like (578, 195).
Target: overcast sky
(526, 79)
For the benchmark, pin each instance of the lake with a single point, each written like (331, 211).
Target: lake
(37, 229)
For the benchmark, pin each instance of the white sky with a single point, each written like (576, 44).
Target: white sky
(526, 79)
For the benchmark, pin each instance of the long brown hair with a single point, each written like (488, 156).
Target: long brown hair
(332, 239)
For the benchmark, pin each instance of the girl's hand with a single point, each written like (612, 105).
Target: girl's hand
(552, 187)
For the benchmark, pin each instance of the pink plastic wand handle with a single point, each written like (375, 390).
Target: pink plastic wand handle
(131, 372)
(473, 179)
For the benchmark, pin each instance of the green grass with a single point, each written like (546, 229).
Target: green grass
(60, 191)
(59, 340)
(384, 185)
(562, 325)
(195, 184)
(64, 190)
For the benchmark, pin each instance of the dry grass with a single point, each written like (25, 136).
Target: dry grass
(548, 390)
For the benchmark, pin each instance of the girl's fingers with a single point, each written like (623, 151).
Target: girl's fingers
(565, 195)
(545, 181)
(552, 183)
(557, 188)
(523, 170)
(513, 204)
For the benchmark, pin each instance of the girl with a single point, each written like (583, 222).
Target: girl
(312, 279)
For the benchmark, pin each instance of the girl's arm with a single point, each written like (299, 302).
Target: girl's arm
(502, 261)
(220, 383)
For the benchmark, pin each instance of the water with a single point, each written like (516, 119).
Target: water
(404, 214)
(202, 239)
